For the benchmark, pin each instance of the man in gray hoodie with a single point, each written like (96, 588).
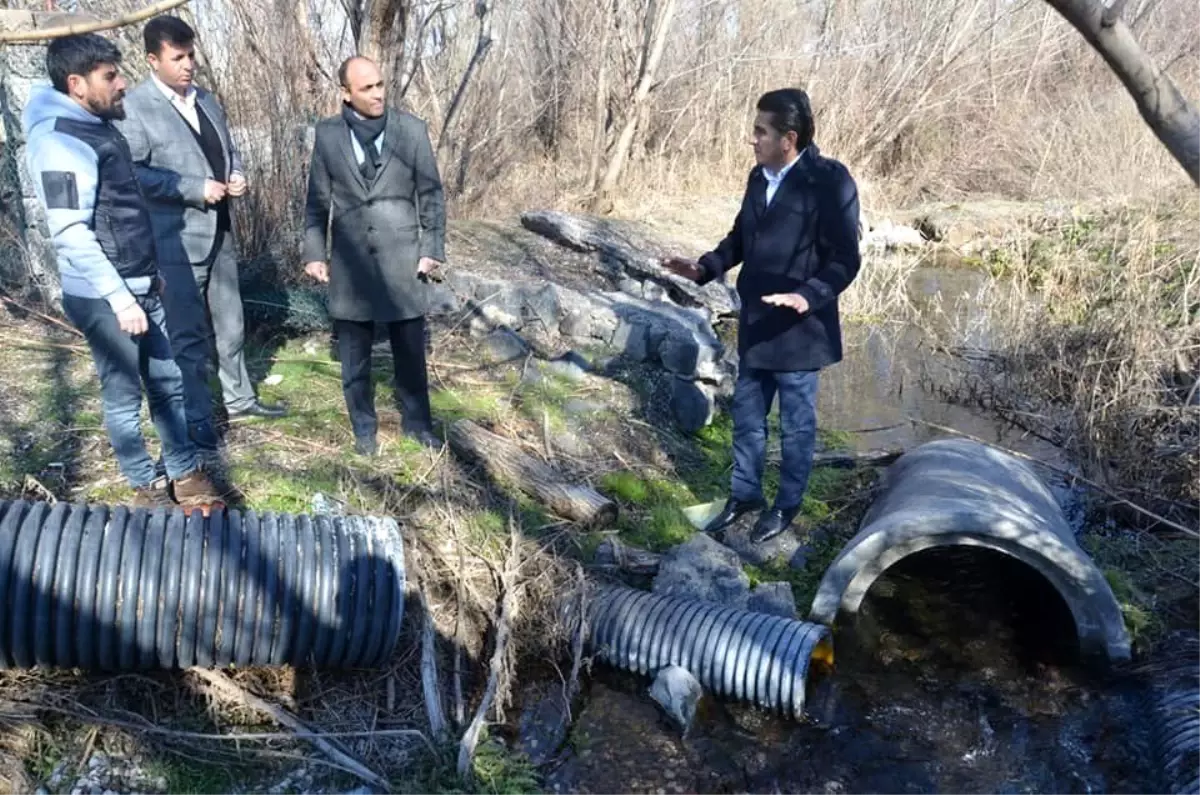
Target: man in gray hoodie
(83, 174)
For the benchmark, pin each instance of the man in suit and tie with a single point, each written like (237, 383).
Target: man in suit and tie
(374, 183)
(796, 237)
(189, 168)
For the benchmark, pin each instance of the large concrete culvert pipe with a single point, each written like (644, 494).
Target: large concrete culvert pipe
(955, 492)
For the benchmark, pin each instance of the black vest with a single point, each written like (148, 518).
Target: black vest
(210, 143)
(120, 221)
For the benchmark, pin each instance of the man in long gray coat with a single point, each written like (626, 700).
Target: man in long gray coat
(374, 184)
(189, 169)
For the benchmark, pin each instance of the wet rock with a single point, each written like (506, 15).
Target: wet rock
(630, 340)
(541, 305)
(678, 693)
(543, 724)
(702, 568)
(692, 404)
(680, 353)
(570, 366)
(775, 598)
(498, 317)
(780, 548)
(504, 346)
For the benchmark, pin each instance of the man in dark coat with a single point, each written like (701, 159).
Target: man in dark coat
(374, 185)
(796, 237)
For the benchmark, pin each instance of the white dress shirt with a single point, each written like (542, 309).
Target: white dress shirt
(774, 179)
(186, 104)
(358, 150)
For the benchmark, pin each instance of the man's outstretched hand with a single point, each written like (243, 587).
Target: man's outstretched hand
(788, 301)
(688, 269)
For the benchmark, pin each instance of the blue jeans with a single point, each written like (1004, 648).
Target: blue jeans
(752, 398)
(124, 364)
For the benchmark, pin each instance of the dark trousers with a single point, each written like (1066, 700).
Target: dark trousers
(127, 366)
(204, 315)
(752, 398)
(407, 337)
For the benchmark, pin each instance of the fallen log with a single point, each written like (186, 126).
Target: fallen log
(509, 465)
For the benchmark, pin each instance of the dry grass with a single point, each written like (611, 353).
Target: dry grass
(1091, 339)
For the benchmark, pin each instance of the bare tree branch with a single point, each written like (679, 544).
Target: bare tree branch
(1172, 118)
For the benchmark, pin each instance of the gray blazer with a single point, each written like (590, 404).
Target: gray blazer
(381, 230)
(171, 168)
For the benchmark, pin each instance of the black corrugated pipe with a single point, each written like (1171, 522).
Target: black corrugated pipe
(753, 657)
(115, 589)
(1176, 712)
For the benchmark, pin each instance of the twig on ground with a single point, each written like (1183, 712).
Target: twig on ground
(231, 691)
(460, 709)
(52, 320)
(1062, 471)
(508, 598)
(430, 684)
(572, 685)
(150, 728)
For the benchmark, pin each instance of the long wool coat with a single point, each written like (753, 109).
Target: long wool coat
(372, 235)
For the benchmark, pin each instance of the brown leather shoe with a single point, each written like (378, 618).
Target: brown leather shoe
(156, 495)
(195, 490)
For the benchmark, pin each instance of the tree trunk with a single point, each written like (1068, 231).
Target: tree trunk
(376, 21)
(509, 465)
(600, 108)
(654, 44)
(1171, 117)
(483, 43)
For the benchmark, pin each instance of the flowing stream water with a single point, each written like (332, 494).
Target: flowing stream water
(959, 674)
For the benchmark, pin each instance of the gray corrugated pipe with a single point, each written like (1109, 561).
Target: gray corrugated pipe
(753, 657)
(1176, 711)
(954, 492)
(115, 589)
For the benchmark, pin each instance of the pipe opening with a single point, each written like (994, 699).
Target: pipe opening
(967, 607)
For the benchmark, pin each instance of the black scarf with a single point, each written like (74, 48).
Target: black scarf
(366, 131)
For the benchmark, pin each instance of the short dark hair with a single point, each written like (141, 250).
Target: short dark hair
(80, 55)
(166, 29)
(790, 111)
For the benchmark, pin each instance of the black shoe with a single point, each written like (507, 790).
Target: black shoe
(257, 409)
(366, 445)
(425, 437)
(733, 510)
(771, 524)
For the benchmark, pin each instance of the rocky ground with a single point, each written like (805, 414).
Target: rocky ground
(559, 333)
